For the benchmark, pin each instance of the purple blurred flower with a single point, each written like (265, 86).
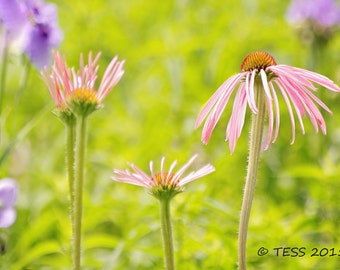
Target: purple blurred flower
(326, 13)
(8, 195)
(36, 24)
(12, 17)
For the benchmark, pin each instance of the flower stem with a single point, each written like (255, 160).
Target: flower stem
(78, 189)
(70, 144)
(255, 139)
(167, 233)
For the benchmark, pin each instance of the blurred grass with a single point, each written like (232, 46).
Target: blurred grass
(177, 53)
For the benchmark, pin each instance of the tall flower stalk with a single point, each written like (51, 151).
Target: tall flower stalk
(75, 97)
(163, 186)
(78, 188)
(258, 86)
(70, 128)
(255, 140)
(166, 228)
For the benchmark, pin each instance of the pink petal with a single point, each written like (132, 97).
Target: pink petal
(277, 111)
(219, 107)
(270, 120)
(236, 121)
(198, 174)
(219, 93)
(111, 77)
(249, 85)
(291, 115)
(184, 168)
(265, 83)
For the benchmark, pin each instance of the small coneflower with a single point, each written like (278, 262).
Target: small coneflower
(296, 86)
(76, 90)
(164, 185)
(163, 182)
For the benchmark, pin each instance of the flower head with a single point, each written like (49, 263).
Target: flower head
(8, 195)
(35, 23)
(162, 183)
(75, 91)
(261, 73)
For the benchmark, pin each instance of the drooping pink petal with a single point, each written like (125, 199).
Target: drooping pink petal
(314, 113)
(219, 107)
(270, 121)
(250, 92)
(317, 78)
(252, 88)
(318, 101)
(236, 121)
(276, 112)
(298, 106)
(284, 72)
(265, 83)
(221, 91)
(290, 110)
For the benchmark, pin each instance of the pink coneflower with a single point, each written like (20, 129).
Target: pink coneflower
(259, 68)
(164, 185)
(66, 85)
(162, 181)
(75, 96)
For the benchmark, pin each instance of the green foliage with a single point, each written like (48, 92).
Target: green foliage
(177, 53)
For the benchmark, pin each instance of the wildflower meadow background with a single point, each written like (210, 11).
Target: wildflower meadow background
(176, 55)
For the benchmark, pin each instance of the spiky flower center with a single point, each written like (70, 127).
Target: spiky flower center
(257, 60)
(164, 186)
(164, 180)
(83, 101)
(85, 95)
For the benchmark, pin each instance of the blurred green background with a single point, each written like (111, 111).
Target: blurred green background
(177, 54)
